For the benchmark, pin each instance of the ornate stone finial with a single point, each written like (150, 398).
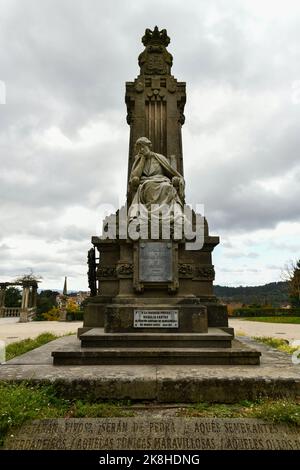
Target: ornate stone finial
(155, 59)
(156, 37)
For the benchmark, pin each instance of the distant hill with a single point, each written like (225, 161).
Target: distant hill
(274, 293)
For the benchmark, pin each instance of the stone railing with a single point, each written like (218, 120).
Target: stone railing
(11, 311)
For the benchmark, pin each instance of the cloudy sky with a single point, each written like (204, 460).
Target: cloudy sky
(64, 137)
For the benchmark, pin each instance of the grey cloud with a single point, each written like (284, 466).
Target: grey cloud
(65, 64)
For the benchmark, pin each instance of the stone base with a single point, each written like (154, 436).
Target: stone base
(211, 348)
(276, 377)
(95, 310)
(153, 356)
(120, 318)
(214, 338)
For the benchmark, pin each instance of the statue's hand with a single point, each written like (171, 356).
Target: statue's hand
(176, 181)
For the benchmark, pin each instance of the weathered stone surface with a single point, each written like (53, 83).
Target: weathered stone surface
(120, 318)
(164, 355)
(154, 433)
(276, 377)
(213, 338)
(217, 314)
(155, 262)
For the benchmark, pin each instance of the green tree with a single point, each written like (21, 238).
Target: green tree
(291, 274)
(13, 297)
(294, 287)
(46, 300)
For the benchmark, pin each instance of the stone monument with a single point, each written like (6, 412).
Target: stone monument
(152, 298)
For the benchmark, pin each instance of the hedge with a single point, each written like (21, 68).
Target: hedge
(265, 312)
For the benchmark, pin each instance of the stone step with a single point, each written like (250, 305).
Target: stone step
(154, 356)
(214, 338)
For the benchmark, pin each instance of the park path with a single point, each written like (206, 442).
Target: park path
(286, 331)
(11, 330)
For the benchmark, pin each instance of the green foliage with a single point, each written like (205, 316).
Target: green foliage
(277, 343)
(82, 409)
(294, 285)
(52, 315)
(215, 410)
(274, 293)
(46, 299)
(265, 312)
(21, 347)
(13, 297)
(285, 319)
(72, 307)
(22, 402)
(75, 316)
(276, 411)
(281, 411)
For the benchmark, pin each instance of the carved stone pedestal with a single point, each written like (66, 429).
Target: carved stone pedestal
(152, 299)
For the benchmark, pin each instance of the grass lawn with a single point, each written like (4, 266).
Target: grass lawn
(276, 411)
(21, 402)
(21, 347)
(277, 343)
(295, 320)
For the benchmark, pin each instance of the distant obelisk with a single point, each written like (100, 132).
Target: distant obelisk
(65, 291)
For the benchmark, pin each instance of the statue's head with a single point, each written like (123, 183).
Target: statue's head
(142, 143)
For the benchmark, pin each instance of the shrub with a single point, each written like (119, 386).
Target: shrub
(52, 315)
(75, 316)
(265, 312)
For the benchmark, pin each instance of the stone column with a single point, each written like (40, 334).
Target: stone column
(2, 300)
(34, 296)
(30, 297)
(25, 302)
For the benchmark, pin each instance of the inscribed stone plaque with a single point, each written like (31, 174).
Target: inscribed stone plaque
(155, 262)
(169, 433)
(156, 318)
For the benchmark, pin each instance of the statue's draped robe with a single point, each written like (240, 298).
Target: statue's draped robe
(156, 193)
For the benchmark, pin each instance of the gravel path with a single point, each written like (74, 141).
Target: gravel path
(11, 330)
(256, 328)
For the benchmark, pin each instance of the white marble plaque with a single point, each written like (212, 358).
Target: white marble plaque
(156, 318)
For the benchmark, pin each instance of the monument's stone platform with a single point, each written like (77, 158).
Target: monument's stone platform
(213, 347)
(148, 432)
(275, 377)
(215, 337)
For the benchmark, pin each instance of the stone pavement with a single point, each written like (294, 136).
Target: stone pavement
(286, 331)
(11, 330)
(276, 377)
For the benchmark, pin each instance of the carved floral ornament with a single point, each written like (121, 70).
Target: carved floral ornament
(192, 271)
(184, 270)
